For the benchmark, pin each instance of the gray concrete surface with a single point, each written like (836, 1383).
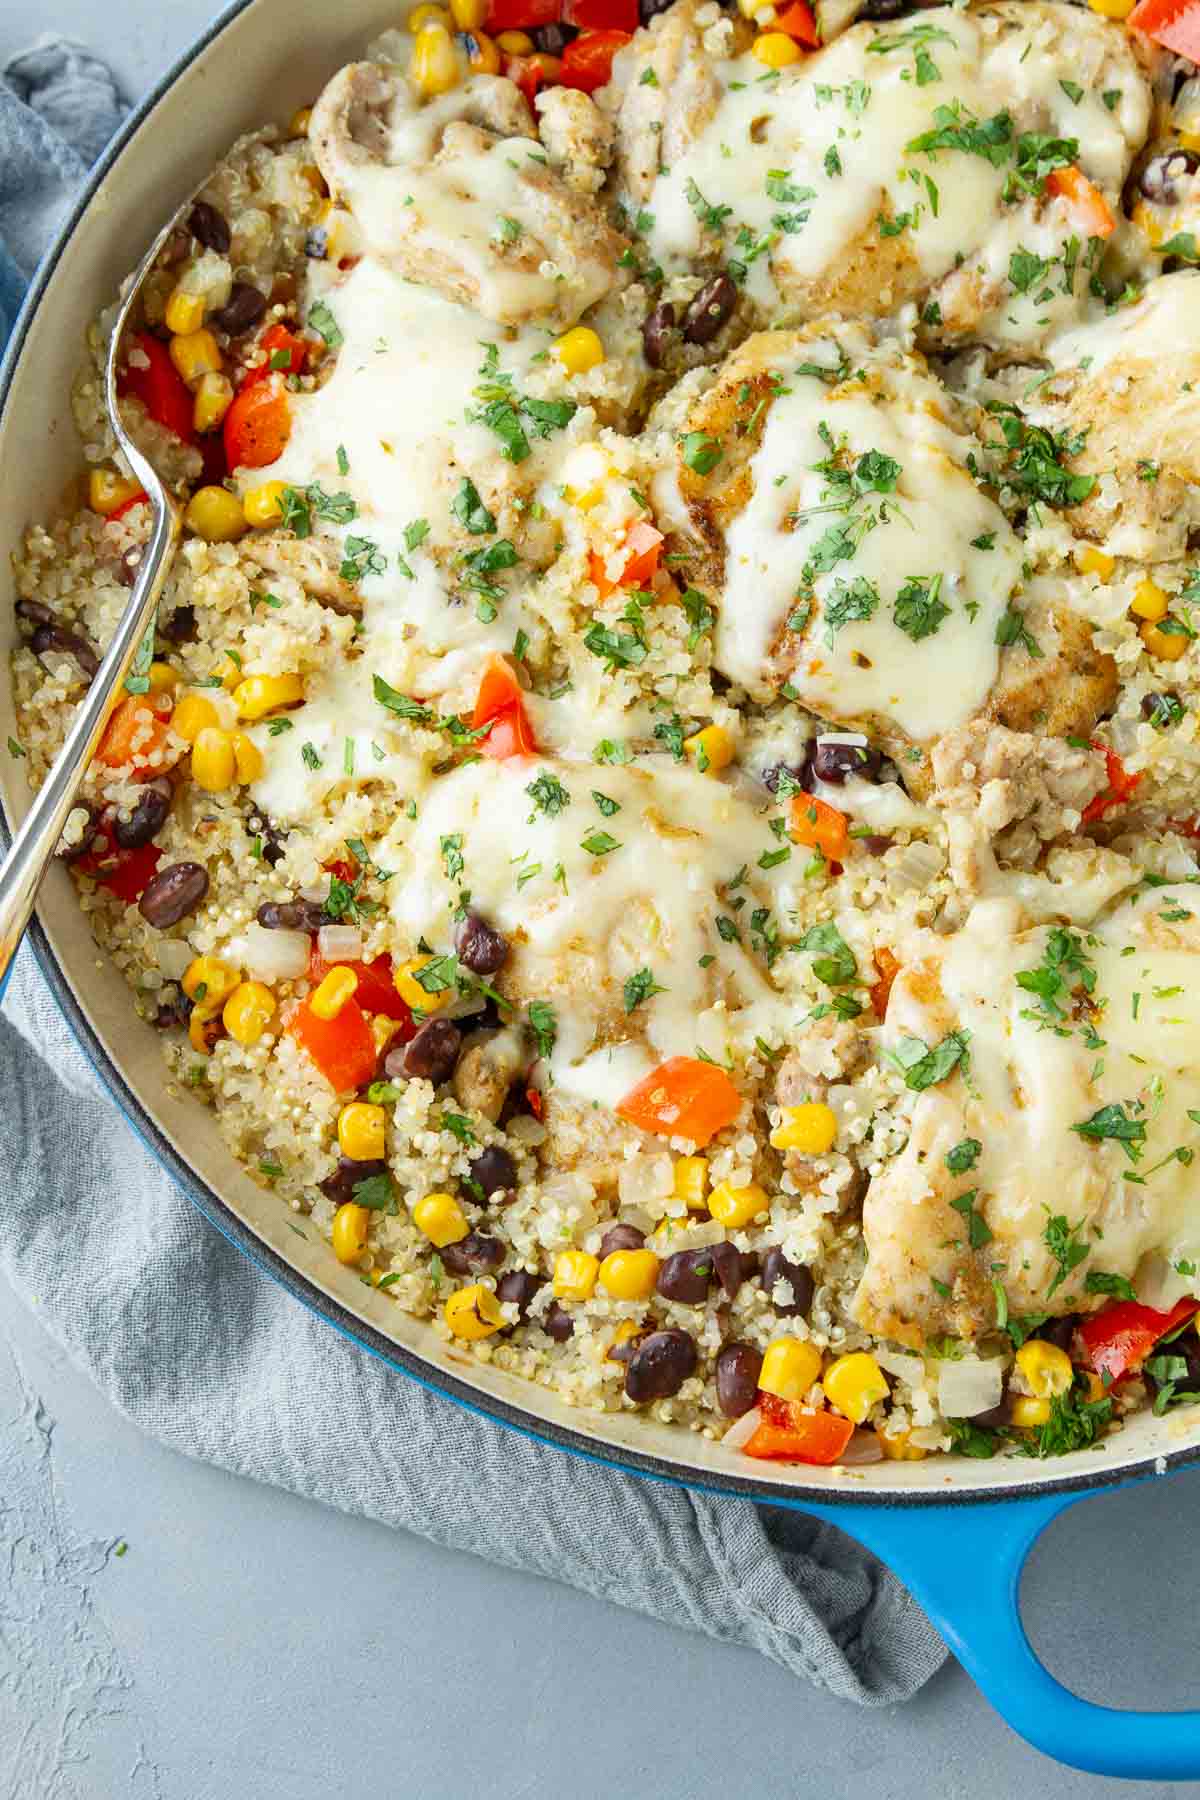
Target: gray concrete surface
(249, 1644)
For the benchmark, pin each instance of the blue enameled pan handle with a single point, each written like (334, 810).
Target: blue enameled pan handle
(963, 1563)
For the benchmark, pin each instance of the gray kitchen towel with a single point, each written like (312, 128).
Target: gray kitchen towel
(189, 1340)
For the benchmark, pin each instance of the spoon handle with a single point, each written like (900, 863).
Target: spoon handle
(35, 842)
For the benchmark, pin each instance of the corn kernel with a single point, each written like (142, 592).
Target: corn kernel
(575, 1273)
(299, 122)
(163, 678)
(214, 397)
(411, 991)
(195, 353)
(257, 695)
(473, 1312)
(1112, 9)
(228, 671)
(439, 1216)
(107, 490)
(204, 1028)
(736, 1206)
(210, 981)
(332, 993)
(264, 505)
(579, 350)
(691, 1181)
(469, 15)
(1090, 561)
(247, 758)
(184, 313)
(1046, 1368)
(1149, 601)
(424, 15)
(248, 1011)
(383, 1030)
(789, 1368)
(776, 49)
(712, 748)
(1168, 646)
(1028, 1414)
(216, 515)
(482, 54)
(351, 1224)
(1190, 141)
(515, 43)
(214, 764)
(811, 1129)
(362, 1131)
(195, 713)
(1096, 1389)
(628, 1328)
(433, 67)
(854, 1383)
(898, 1446)
(629, 1274)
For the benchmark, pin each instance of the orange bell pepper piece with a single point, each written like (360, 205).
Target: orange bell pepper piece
(790, 1432)
(258, 424)
(798, 22)
(137, 726)
(499, 704)
(342, 1048)
(1175, 24)
(278, 342)
(1089, 208)
(888, 968)
(819, 826)
(643, 545)
(683, 1097)
(1120, 786)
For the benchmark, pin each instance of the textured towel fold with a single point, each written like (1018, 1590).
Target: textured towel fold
(194, 1344)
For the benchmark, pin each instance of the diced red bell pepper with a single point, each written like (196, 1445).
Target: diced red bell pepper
(1119, 1339)
(1089, 209)
(258, 424)
(277, 341)
(376, 990)
(342, 1047)
(125, 873)
(499, 704)
(520, 15)
(819, 826)
(790, 1432)
(881, 990)
(527, 74)
(643, 547)
(587, 61)
(118, 512)
(1120, 786)
(1175, 24)
(683, 1097)
(157, 383)
(798, 22)
(602, 15)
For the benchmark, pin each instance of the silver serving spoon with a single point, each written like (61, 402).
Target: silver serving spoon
(35, 842)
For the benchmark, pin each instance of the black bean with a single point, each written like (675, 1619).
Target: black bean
(732, 1266)
(621, 1237)
(210, 226)
(884, 9)
(553, 39)
(271, 848)
(685, 1276)
(173, 893)
(776, 1267)
(875, 844)
(650, 9)
(474, 1252)
(181, 627)
(480, 948)
(244, 308)
(1059, 1332)
(431, 1055)
(87, 838)
(174, 1008)
(148, 815)
(832, 762)
(518, 1287)
(772, 776)
(339, 1187)
(1162, 175)
(316, 242)
(627, 1348)
(994, 1416)
(494, 1170)
(66, 643)
(659, 1366)
(34, 613)
(656, 331)
(738, 1367)
(558, 1323)
(291, 915)
(129, 563)
(709, 310)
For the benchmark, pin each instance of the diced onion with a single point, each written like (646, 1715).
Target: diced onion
(340, 943)
(842, 737)
(969, 1387)
(916, 867)
(319, 890)
(743, 1429)
(909, 1369)
(173, 956)
(272, 955)
(864, 1447)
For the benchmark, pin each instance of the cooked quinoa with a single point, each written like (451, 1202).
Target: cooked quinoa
(661, 813)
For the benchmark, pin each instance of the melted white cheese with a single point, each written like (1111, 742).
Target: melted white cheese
(1165, 319)
(924, 528)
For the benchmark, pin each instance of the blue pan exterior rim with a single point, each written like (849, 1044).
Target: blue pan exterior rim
(937, 1542)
